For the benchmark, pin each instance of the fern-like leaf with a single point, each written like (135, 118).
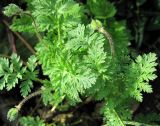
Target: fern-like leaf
(30, 121)
(111, 117)
(97, 8)
(28, 77)
(11, 10)
(10, 73)
(12, 114)
(141, 72)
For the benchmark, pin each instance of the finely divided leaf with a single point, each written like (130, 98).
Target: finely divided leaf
(11, 10)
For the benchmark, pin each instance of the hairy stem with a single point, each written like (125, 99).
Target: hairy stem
(40, 80)
(108, 36)
(19, 106)
(36, 93)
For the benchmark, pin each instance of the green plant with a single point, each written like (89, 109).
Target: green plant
(30, 121)
(83, 58)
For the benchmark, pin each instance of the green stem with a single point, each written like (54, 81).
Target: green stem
(119, 120)
(54, 107)
(59, 35)
(35, 25)
(40, 80)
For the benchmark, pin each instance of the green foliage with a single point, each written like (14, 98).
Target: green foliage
(11, 10)
(23, 24)
(10, 73)
(12, 70)
(112, 117)
(29, 76)
(74, 74)
(77, 61)
(101, 9)
(47, 95)
(141, 71)
(12, 114)
(48, 15)
(95, 24)
(30, 121)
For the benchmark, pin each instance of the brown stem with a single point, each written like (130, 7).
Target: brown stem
(19, 106)
(21, 38)
(11, 41)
